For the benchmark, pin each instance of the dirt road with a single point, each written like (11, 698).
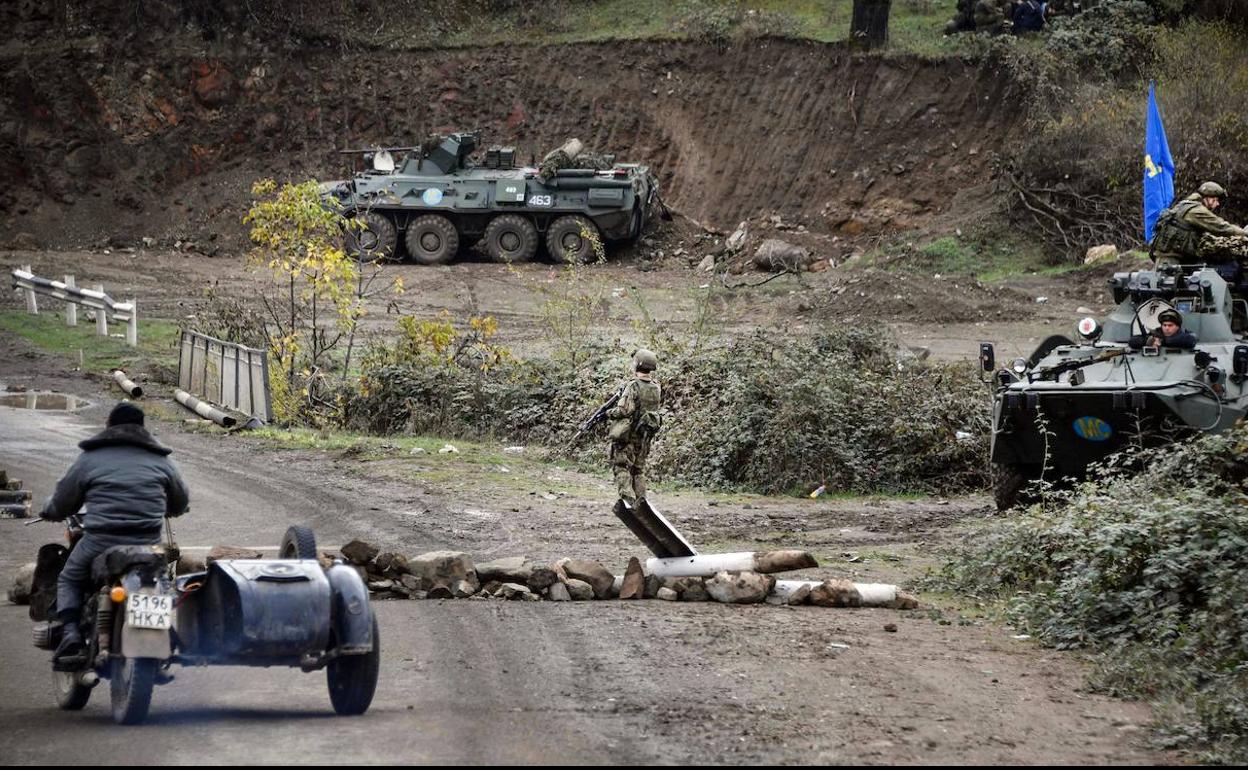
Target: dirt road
(637, 682)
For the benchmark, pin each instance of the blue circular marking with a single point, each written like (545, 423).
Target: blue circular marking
(432, 196)
(1093, 429)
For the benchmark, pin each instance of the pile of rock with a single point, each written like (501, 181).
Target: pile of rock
(15, 502)
(454, 575)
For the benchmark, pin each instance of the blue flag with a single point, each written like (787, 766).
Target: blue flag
(1158, 168)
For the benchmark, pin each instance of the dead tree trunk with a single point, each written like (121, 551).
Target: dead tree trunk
(869, 27)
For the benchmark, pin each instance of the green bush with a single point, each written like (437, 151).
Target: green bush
(1148, 571)
(763, 413)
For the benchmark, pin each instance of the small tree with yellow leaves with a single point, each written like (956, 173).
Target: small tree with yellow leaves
(317, 294)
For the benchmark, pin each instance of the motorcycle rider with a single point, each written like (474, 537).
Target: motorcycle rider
(129, 485)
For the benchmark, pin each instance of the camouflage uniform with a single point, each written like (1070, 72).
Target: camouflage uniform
(1189, 230)
(634, 422)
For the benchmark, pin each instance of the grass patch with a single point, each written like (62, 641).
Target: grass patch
(47, 331)
(986, 255)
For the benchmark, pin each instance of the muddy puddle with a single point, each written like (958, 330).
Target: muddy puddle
(45, 402)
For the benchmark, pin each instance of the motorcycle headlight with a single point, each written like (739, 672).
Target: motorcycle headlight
(1019, 366)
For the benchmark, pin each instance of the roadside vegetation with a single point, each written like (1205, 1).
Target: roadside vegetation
(1146, 571)
(80, 344)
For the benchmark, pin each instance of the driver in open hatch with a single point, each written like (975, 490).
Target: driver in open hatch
(128, 484)
(1169, 335)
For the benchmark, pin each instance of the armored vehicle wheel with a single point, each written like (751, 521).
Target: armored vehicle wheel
(511, 238)
(1009, 485)
(372, 236)
(353, 678)
(131, 685)
(432, 240)
(566, 240)
(70, 695)
(298, 543)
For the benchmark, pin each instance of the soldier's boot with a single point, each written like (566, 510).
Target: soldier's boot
(70, 653)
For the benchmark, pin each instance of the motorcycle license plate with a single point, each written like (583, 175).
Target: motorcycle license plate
(149, 611)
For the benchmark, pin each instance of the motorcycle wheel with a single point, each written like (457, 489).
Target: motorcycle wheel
(70, 695)
(131, 688)
(353, 678)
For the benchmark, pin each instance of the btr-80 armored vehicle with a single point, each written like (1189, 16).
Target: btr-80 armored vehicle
(1072, 404)
(434, 198)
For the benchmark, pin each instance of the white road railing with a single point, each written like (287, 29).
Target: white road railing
(32, 286)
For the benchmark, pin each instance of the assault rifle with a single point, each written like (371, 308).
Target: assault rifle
(596, 417)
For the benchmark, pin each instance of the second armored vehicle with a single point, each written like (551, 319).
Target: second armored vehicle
(436, 198)
(1072, 404)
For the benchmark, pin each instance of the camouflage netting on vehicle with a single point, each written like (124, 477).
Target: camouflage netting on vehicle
(758, 413)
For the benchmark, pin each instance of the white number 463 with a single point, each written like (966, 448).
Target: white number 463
(541, 200)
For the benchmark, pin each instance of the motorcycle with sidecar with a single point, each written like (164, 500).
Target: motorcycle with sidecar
(143, 618)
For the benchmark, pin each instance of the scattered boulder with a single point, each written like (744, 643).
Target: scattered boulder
(905, 601)
(835, 593)
(225, 552)
(774, 254)
(634, 584)
(412, 583)
(541, 578)
(1106, 252)
(212, 83)
(23, 582)
(511, 569)
(558, 592)
(445, 569)
(440, 592)
(707, 264)
(391, 564)
(653, 584)
(690, 589)
(462, 589)
(667, 594)
(800, 596)
(359, 552)
(739, 587)
(592, 573)
(579, 590)
(514, 591)
(736, 241)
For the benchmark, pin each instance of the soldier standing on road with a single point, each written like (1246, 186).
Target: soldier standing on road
(635, 420)
(1190, 230)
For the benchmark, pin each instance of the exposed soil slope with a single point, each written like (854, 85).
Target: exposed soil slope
(160, 134)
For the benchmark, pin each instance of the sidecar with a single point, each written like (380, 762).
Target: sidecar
(290, 611)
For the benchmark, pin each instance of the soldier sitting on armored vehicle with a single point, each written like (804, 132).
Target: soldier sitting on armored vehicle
(1169, 335)
(1190, 232)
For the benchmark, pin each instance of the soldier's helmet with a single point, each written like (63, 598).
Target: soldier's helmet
(1211, 190)
(1170, 315)
(645, 360)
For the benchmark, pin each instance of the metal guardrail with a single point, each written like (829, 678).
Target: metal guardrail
(225, 373)
(32, 285)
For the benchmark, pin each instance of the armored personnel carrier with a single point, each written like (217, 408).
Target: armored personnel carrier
(424, 202)
(1075, 403)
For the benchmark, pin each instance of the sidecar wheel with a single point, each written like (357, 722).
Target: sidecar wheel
(353, 678)
(70, 695)
(131, 687)
(298, 543)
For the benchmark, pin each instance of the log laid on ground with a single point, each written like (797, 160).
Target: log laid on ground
(707, 564)
(203, 409)
(841, 593)
(127, 385)
(8, 496)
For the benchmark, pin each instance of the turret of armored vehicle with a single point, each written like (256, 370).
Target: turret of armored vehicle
(1075, 403)
(425, 201)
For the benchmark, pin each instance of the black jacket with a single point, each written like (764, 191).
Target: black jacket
(126, 480)
(1185, 340)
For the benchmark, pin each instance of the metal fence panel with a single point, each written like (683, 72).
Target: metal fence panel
(225, 373)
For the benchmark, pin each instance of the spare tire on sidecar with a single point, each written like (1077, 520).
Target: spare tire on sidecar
(283, 612)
